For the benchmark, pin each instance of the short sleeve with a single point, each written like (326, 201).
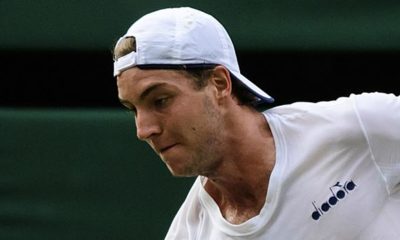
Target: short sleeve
(379, 116)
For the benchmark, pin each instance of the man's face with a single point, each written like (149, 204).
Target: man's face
(182, 124)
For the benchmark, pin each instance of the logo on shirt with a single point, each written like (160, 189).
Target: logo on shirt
(339, 192)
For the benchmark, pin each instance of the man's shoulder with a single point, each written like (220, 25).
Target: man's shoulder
(364, 101)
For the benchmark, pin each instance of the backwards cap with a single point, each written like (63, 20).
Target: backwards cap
(183, 36)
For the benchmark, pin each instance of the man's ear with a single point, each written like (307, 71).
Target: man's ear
(222, 82)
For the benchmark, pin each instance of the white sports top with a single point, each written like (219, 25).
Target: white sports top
(337, 176)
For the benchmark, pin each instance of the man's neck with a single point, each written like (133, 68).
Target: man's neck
(239, 185)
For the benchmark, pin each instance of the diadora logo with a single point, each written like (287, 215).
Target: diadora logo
(339, 192)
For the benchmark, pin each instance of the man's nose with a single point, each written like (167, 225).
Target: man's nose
(146, 126)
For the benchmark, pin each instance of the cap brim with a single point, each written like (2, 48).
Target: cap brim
(254, 89)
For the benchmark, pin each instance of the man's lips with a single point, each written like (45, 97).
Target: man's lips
(166, 148)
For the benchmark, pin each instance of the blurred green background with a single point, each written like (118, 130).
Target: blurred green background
(269, 24)
(81, 174)
(71, 167)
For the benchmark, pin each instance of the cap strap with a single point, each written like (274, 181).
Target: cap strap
(124, 63)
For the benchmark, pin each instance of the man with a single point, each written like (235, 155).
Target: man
(327, 170)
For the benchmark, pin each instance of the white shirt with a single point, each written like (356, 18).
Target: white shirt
(337, 176)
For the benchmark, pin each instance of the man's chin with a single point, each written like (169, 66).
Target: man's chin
(181, 173)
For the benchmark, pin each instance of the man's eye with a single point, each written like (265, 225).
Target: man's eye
(132, 110)
(161, 102)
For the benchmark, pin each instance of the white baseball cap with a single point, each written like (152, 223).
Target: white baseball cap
(183, 37)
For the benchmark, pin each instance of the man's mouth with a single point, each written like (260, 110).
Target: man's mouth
(164, 149)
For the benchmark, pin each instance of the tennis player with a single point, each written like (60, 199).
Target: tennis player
(324, 170)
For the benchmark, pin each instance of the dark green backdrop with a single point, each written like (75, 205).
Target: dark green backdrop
(253, 24)
(81, 174)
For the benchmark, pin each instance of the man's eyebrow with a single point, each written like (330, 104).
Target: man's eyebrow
(143, 95)
(149, 89)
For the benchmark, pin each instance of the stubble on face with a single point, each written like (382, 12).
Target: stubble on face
(206, 154)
